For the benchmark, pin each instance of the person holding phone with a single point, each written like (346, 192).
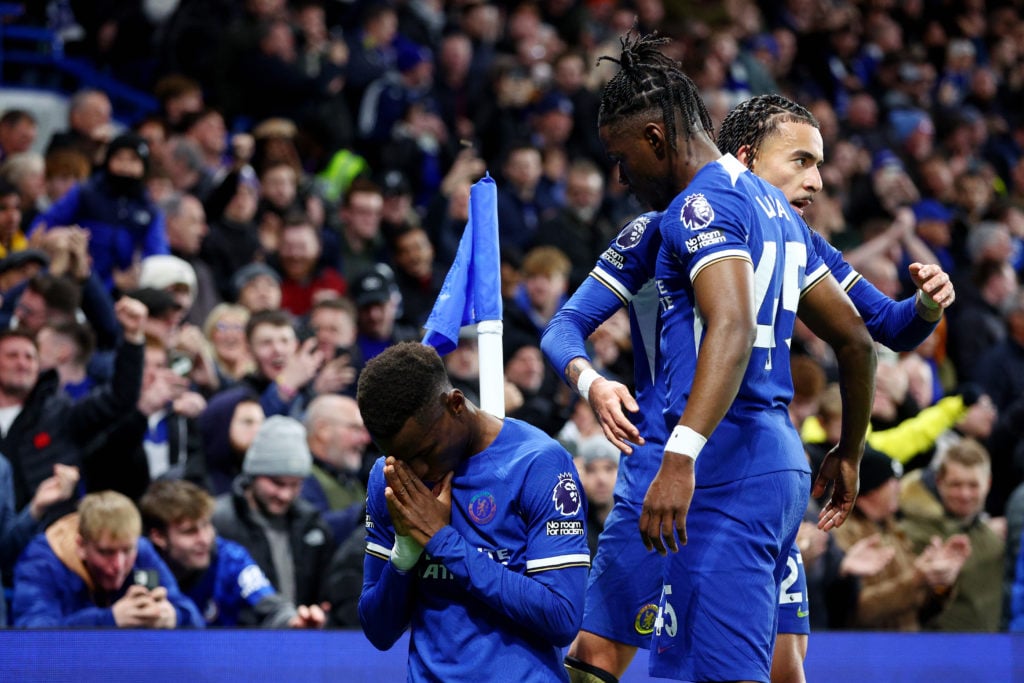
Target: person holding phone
(92, 568)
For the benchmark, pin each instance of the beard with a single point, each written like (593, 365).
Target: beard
(18, 391)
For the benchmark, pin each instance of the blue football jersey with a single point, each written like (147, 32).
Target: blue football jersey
(627, 269)
(500, 590)
(729, 213)
(232, 582)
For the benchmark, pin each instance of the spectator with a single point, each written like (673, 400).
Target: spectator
(18, 130)
(18, 526)
(186, 229)
(91, 568)
(525, 199)
(216, 574)
(580, 229)
(228, 426)
(458, 95)
(333, 323)
(525, 369)
(179, 96)
(304, 279)
(378, 301)
(185, 168)
(387, 98)
(20, 267)
(257, 287)
(979, 324)
(362, 245)
(224, 328)
(417, 275)
(157, 439)
(46, 298)
(598, 464)
(40, 425)
(90, 127)
(115, 208)
(373, 49)
(66, 347)
(232, 241)
(398, 212)
(65, 168)
(345, 578)
(206, 128)
(1000, 367)
(12, 239)
(283, 367)
(273, 81)
(912, 587)
(172, 275)
(544, 290)
(951, 503)
(27, 172)
(337, 440)
(263, 513)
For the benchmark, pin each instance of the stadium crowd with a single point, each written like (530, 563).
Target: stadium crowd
(188, 298)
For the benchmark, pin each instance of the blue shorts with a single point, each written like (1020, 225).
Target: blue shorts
(625, 580)
(719, 607)
(794, 610)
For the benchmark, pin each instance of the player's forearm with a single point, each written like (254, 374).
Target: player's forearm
(549, 604)
(856, 359)
(564, 339)
(896, 324)
(385, 604)
(830, 314)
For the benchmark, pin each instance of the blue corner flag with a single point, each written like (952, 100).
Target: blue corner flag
(472, 289)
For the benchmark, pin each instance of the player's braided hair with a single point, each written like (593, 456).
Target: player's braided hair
(648, 79)
(756, 119)
(403, 381)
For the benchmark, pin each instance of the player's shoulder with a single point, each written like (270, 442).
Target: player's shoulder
(629, 253)
(637, 231)
(528, 444)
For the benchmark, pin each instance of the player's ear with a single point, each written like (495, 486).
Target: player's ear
(455, 401)
(745, 155)
(654, 135)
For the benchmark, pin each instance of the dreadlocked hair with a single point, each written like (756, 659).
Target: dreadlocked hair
(648, 79)
(756, 119)
(403, 381)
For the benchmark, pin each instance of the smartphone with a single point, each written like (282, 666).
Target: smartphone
(148, 578)
(181, 366)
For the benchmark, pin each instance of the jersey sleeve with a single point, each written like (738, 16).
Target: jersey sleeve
(697, 233)
(621, 271)
(893, 323)
(548, 598)
(386, 602)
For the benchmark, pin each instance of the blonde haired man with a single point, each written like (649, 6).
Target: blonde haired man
(91, 568)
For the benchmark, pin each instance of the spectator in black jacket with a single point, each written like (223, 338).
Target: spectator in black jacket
(264, 513)
(39, 423)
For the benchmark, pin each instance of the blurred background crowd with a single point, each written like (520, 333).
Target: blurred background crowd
(283, 185)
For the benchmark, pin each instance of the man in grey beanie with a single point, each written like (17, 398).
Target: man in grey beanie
(263, 512)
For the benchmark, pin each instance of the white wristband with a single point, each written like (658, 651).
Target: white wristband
(685, 441)
(405, 553)
(587, 378)
(927, 301)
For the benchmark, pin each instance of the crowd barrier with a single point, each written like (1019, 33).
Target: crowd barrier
(346, 657)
